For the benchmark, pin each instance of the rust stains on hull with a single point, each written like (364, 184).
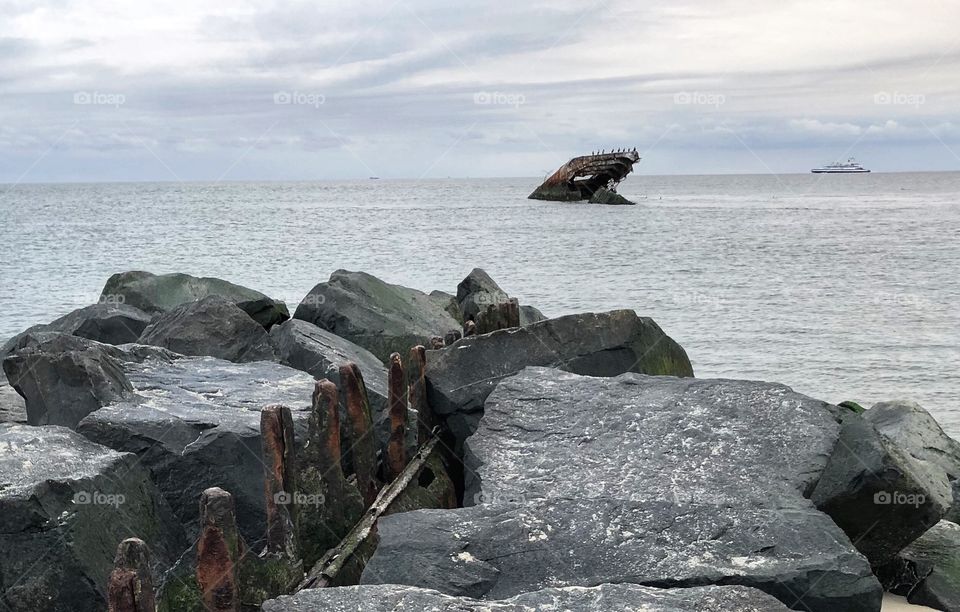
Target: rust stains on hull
(581, 177)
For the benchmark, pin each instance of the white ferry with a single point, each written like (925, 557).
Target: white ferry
(849, 167)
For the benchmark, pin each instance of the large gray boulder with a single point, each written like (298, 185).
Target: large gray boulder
(154, 294)
(601, 598)
(195, 423)
(637, 479)
(927, 572)
(212, 326)
(63, 378)
(878, 494)
(104, 322)
(460, 377)
(65, 505)
(914, 430)
(380, 317)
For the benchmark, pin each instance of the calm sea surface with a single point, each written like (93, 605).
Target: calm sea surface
(844, 287)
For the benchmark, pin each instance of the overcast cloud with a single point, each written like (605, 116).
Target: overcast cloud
(108, 90)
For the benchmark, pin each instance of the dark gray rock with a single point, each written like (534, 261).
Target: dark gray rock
(104, 322)
(65, 505)
(530, 315)
(915, 431)
(380, 317)
(878, 494)
(602, 598)
(212, 326)
(195, 423)
(609, 197)
(477, 292)
(64, 378)
(649, 480)
(459, 378)
(12, 407)
(927, 572)
(306, 347)
(159, 293)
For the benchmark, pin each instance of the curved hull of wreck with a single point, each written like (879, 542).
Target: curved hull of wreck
(581, 177)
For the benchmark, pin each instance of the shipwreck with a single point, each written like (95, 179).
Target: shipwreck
(593, 177)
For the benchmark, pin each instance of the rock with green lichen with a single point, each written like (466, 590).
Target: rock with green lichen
(381, 317)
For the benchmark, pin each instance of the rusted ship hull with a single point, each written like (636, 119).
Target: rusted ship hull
(582, 177)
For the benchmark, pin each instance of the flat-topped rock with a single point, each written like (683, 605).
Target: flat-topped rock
(381, 317)
(154, 294)
(211, 326)
(65, 505)
(602, 598)
(195, 422)
(461, 377)
(651, 480)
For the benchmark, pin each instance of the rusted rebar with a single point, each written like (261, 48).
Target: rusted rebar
(436, 342)
(279, 480)
(469, 328)
(417, 393)
(218, 552)
(362, 439)
(452, 336)
(131, 583)
(397, 402)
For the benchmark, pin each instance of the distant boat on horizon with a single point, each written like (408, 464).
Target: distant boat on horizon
(851, 166)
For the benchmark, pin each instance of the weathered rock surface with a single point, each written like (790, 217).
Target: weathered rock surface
(529, 315)
(927, 572)
(65, 505)
(878, 494)
(159, 293)
(195, 423)
(12, 407)
(103, 322)
(915, 431)
(602, 598)
(607, 196)
(657, 481)
(380, 317)
(482, 301)
(460, 378)
(211, 326)
(64, 378)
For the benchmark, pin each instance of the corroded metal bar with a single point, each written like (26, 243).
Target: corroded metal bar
(279, 480)
(469, 328)
(417, 393)
(362, 439)
(452, 336)
(218, 552)
(436, 342)
(131, 583)
(397, 402)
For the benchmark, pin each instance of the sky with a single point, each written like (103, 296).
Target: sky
(104, 90)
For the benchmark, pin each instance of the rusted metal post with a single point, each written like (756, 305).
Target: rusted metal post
(397, 402)
(218, 552)
(469, 328)
(362, 439)
(452, 336)
(511, 313)
(279, 480)
(417, 393)
(436, 342)
(321, 476)
(131, 583)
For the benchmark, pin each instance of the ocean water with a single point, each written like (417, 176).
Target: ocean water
(843, 287)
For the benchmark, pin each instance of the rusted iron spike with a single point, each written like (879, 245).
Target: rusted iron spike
(279, 480)
(131, 583)
(362, 439)
(452, 336)
(469, 328)
(417, 393)
(397, 401)
(436, 342)
(218, 552)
